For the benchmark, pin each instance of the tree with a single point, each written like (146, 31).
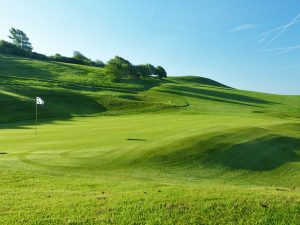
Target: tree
(115, 70)
(85, 60)
(9, 48)
(119, 68)
(99, 63)
(79, 55)
(152, 69)
(20, 39)
(160, 72)
(143, 70)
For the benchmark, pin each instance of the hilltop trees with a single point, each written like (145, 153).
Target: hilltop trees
(118, 68)
(20, 44)
(78, 58)
(160, 72)
(145, 70)
(79, 55)
(9, 48)
(59, 58)
(20, 39)
(151, 68)
(99, 63)
(86, 61)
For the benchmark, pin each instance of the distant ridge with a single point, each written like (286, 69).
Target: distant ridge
(200, 80)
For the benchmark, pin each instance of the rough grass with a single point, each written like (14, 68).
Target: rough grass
(180, 151)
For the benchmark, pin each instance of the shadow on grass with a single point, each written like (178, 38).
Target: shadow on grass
(206, 98)
(59, 104)
(235, 151)
(22, 81)
(262, 154)
(220, 94)
(135, 139)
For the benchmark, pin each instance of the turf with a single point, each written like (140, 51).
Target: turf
(185, 150)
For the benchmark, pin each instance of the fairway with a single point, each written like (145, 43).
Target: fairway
(184, 150)
(106, 169)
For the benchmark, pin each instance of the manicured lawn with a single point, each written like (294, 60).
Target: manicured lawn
(181, 151)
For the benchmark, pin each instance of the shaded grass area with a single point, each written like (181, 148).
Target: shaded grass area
(220, 100)
(220, 94)
(252, 149)
(60, 103)
(266, 153)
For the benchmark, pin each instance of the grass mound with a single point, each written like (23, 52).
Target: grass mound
(199, 81)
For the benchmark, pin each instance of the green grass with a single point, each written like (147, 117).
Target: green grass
(121, 153)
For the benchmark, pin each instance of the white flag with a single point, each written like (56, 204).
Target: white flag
(39, 101)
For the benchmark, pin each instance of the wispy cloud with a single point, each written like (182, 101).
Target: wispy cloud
(270, 36)
(243, 27)
(282, 49)
(284, 28)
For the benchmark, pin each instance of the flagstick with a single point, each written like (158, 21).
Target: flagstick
(35, 118)
(38, 101)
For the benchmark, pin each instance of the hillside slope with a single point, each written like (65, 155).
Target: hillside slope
(63, 86)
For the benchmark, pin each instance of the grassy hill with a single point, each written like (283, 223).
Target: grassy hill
(185, 150)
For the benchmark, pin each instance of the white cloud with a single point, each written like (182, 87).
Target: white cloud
(243, 27)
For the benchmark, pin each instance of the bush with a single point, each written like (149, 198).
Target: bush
(60, 58)
(36, 55)
(10, 49)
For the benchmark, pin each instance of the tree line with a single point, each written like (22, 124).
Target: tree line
(117, 68)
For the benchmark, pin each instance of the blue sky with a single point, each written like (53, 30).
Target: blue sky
(222, 40)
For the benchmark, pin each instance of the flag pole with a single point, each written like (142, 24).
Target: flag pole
(38, 101)
(35, 117)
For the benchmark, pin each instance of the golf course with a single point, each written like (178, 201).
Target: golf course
(178, 150)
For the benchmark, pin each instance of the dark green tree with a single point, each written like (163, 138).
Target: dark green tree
(20, 39)
(86, 61)
(79, 55)
(119, 68)
(143, 70)
(9, 48)
(115, 70)
(151, 68)
(99, 63)
(161, 72)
